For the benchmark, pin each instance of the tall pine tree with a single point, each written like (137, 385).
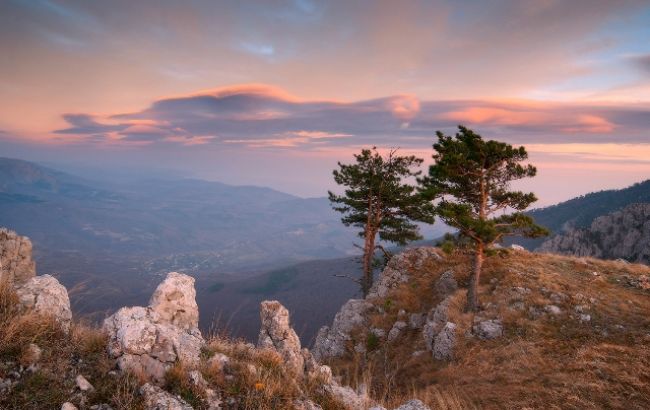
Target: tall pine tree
(378, 200)
(470, 180)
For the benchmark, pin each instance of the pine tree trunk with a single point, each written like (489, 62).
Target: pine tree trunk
(472, 290)
(368, 254)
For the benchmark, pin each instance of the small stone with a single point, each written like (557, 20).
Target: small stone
(444, 343)
(83, 384)
(380, 333)
(552, 309)
(488, 329)
(516, 247)
(68, 406)
(156, 398)
(585, 318)
(413, 405)
(446, 284)
(396, 330)
(401, 313)
(416, 320)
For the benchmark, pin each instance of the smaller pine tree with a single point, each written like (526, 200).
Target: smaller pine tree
(379, 201)
(470, 179)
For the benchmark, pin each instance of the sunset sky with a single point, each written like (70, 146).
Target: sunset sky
(274, 93)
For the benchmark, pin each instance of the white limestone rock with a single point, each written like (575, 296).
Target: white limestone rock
(143, 340)
(156, 398)
(276, 334)
(46, 296)
(16, 263)
(331, 341)
(398, 269)
(175, 301)
(488, 329)
(413, 405)
(444, 342)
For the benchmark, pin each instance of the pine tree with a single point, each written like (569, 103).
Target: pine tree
(470, 180)
(380, 202)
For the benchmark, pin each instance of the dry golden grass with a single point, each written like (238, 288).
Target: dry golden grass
(543, 361)
(81, 351)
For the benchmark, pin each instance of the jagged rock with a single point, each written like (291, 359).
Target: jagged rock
(175, 301)
(436, 320)
(16, 264)
(446, 284)
(444, 343)
(277, 334)
(83, 384)
(413, 405)
(488, 329)
(396, 330)
(416, 320)
(68, 406)
(331, 341)
(348, 397)
(623, 234)
(143, 341)
(380, 333)
(156, 398)
(45, 295)
(397, 269)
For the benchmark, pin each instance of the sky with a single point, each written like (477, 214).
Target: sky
(274, 93)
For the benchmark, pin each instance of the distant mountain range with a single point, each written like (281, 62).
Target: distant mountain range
(110, 243)
(581, 211)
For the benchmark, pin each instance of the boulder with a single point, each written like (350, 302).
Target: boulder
(175, 301)
(444, 342)
(488, 329)
(416, 320)
(446, 284)
(398, 269)
(396, 330)
(16, 264)
(156, 398)
(143, 340)
(331, 341)
(83, 384)
(348, 397)
(46, 296)
(436, 320)
(413, 405)
(277, 334)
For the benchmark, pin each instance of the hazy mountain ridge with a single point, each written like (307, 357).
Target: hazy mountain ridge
(623, 234)
(581, 211)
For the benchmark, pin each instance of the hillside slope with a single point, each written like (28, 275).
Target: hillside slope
(554, 332)
(621, 234)
(581, 211)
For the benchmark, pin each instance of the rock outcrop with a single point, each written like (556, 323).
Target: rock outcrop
(332, 341)
(623, 234)
(151, 339)
(41, 294)
(277, 334)
(398, 269)
(16, 264)
(46, 296)
(156, 398)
